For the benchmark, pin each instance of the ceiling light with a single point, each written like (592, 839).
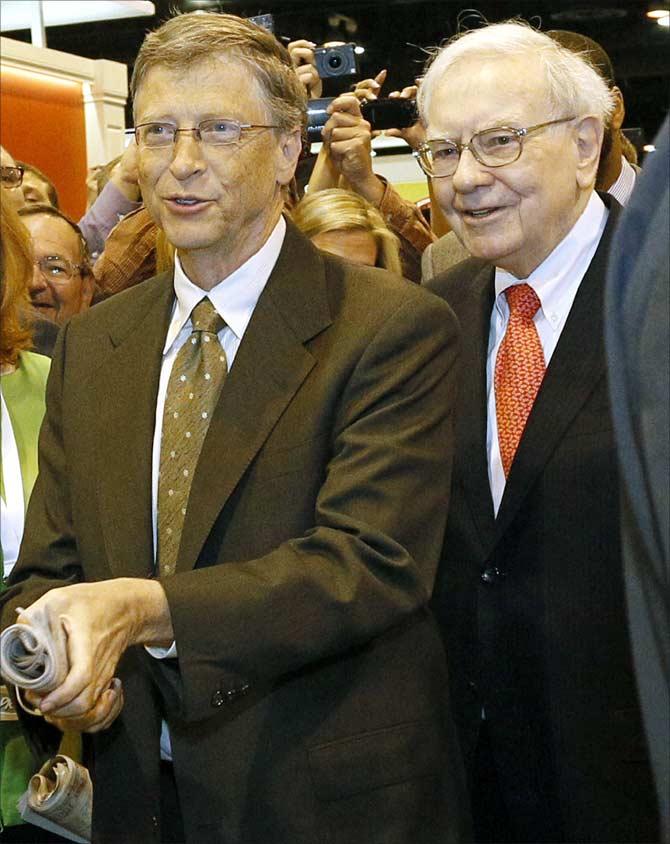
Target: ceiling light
(658, 13)
(17, 14)
(665, 20)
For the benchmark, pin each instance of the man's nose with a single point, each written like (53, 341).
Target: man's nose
(37, 282)
(470, 173)
(187, 157)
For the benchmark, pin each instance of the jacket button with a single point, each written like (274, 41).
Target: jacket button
(492, 574)
(239, 691)
(218, 698)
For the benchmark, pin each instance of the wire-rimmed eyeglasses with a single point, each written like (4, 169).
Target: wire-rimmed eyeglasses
(11, 177)
(56, 268)
(219, 131)
(493, 147)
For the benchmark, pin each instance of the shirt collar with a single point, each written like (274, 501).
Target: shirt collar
(623, 187)
(235, 297)
(562, 270)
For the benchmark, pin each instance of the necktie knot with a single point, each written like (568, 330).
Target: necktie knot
(523, 301)
(205, 318)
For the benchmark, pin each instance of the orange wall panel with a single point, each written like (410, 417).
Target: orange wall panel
(42, 123)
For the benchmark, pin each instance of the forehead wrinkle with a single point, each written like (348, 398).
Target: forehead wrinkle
(475, 83)
(208, 71)
(45, 243)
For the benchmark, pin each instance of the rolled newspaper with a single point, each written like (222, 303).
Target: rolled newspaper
(60, 798)
(31, 658)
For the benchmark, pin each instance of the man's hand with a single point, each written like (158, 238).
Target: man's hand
(348, 139)
(100, 717)
(414, 135)
(369, 89)
(302, 56)
(98, 622)
(125, 174)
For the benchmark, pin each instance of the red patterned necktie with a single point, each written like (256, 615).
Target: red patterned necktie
(519, 371)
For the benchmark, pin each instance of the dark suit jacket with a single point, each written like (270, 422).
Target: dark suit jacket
(531, 603)
(308, 700)
(638, 350)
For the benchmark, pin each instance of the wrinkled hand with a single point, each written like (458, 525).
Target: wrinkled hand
(100, 717)
(302, 56)
(369, 89)
(97, 623)
(413, 135)
(348, 137)
(125, 174)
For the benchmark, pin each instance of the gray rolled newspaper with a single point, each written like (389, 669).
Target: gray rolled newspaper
(31, 658)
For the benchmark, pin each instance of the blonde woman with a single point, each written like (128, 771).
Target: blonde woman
(23, 377)
(343, 223)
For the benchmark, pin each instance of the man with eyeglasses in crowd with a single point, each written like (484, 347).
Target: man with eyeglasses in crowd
(529, 591)
(11, 178)
(617, 167)
(256, 587)
(62, 284)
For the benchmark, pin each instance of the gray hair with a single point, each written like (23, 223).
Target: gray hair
(573, 86)
(187, 39)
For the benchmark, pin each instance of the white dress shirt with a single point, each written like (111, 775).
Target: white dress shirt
(555, 282)
(235, 299)
(623, 187)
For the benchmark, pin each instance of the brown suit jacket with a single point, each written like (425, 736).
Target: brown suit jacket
(308, 701)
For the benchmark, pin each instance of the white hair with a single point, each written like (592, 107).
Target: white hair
(573, 86)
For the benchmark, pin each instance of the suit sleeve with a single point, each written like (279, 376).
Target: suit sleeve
(370, 558)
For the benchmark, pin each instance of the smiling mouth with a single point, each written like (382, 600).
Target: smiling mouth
(479, 213)
(186, 201)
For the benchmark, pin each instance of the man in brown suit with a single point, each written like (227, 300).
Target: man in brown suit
(270, 631)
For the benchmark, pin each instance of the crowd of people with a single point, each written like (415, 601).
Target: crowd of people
(351, 517)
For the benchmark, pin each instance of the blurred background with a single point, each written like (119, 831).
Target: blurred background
(394, 34)
(43, 121)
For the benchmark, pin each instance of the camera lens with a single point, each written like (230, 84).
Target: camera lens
(335, 61)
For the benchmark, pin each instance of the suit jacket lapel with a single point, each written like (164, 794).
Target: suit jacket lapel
(475, 316)
(270, 365)
(575, 368)
(126, 387)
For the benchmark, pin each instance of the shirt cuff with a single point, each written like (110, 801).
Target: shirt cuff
(404, 218)
(162, 653)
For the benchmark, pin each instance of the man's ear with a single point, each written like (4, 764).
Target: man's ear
(589, 138)
(290, 146)
(619, 112)
(87, 288)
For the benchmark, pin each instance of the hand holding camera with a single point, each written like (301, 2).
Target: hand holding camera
(302, 56)
(395, 116)
(347, 136)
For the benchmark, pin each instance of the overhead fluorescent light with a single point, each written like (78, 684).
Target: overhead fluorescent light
(20, 14)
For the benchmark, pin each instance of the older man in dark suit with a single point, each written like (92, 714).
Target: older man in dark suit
(243, 473)
(529, 590)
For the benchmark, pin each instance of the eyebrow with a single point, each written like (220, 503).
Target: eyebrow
(509, 123)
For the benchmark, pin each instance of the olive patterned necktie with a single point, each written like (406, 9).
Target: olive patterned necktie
(197, 376)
